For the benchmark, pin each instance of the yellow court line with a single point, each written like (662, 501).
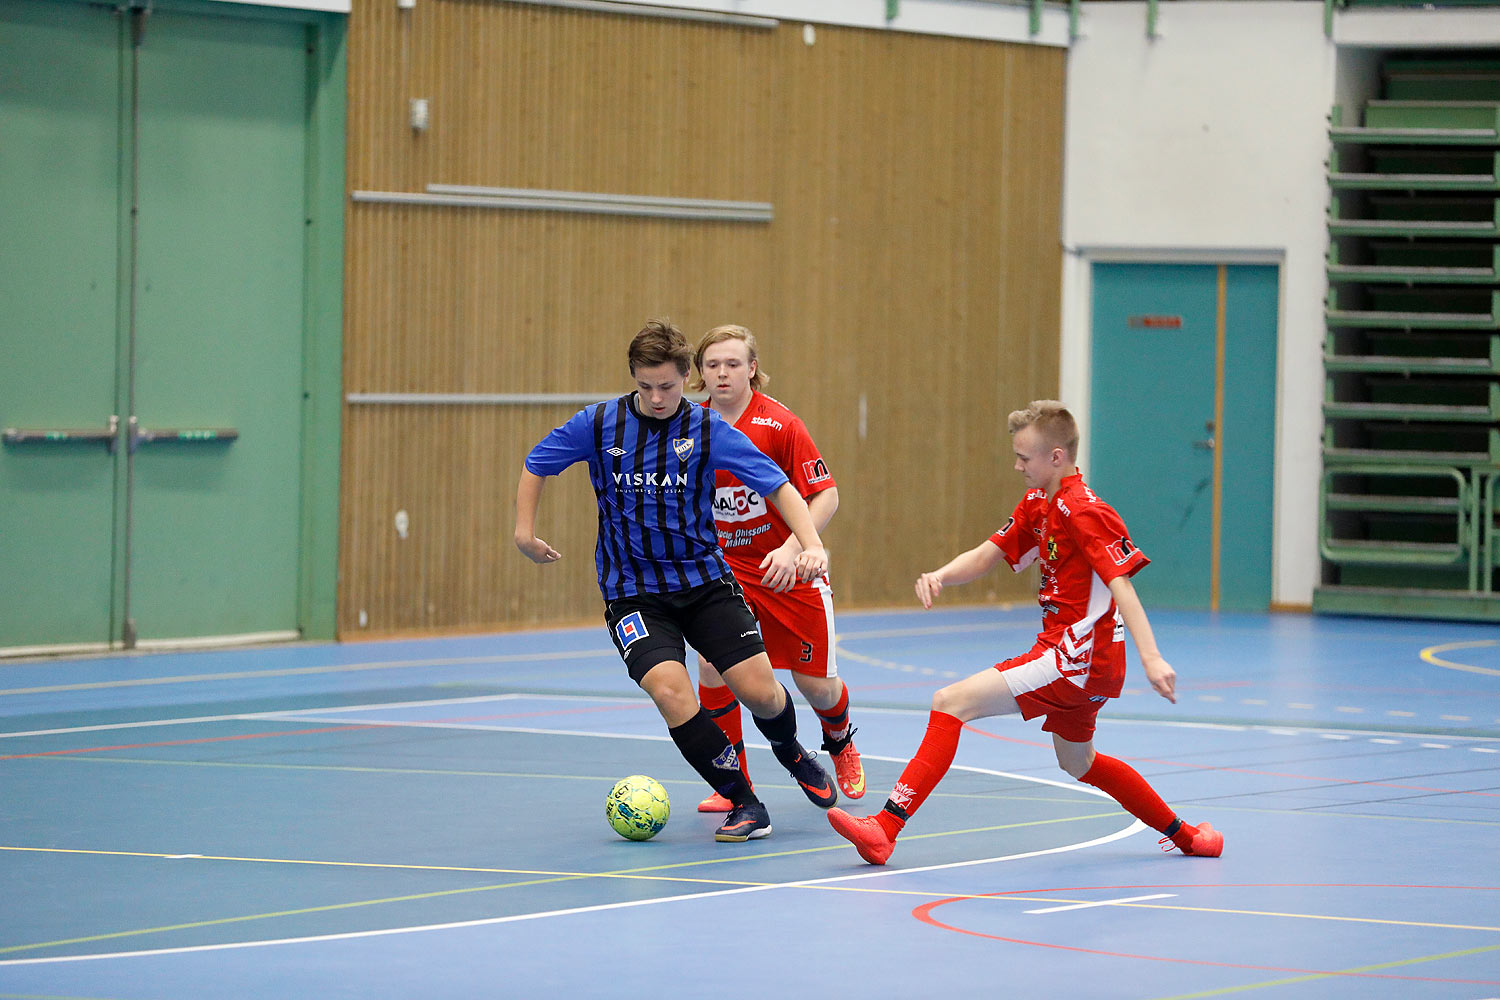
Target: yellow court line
(1332, 975)
(1430, 656)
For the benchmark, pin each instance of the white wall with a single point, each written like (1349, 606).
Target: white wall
(1208, 143)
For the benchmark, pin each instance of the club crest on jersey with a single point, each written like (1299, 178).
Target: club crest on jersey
(1120, 550)
(631, 628)
(1051, 548)
(683, 447)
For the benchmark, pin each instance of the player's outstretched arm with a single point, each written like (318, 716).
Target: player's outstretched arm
(528, 497)
(963, 568)
(812, 562)
(1158, 671)
(780, 564)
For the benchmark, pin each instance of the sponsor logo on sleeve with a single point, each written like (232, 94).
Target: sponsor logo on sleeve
(816, 471)
(1010, 522)
(631, 628)
(1120, 550)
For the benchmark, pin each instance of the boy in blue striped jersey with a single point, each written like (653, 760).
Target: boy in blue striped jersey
(652, 456)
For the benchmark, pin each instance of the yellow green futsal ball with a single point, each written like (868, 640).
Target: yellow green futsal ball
(637, 807)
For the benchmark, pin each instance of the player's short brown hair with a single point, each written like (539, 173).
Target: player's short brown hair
(657, 343)
(1052, 421)
(719, 334)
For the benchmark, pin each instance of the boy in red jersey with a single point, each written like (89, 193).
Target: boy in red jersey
(796, 618)
(1078, 661)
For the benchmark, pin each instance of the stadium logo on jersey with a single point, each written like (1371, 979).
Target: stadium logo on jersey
(1051, 548)
(766, 422)
(683, 447)
(1120, 550)
(816, 471)
(631, 628)
(617, 452)
(738, 503)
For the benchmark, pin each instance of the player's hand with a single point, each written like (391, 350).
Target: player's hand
(1162, 677)
(929, 586)
(812, 563)
(537, 550)
(781, 570)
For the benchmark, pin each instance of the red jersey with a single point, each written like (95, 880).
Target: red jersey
(749, 527)
(1082, 545)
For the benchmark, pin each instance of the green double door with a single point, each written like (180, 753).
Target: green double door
(152, 200)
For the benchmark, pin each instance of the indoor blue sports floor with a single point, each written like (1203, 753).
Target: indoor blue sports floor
(425, 819)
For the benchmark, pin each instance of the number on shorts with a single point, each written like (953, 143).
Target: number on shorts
(807, 651)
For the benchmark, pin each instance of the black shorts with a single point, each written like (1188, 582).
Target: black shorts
(655, 628)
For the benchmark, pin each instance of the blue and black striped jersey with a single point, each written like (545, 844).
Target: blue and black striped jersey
(654, 480)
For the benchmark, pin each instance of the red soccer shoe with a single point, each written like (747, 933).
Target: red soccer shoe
(867, 836)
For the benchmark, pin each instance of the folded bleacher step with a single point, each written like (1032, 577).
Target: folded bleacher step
(1386, 503)
(1414, 227)
(1398, 364)
(1413, 275)
(1415, 115)
(1412, 320)
(1415, 182)
(1416, 136)
(1435, 412)
(1366, 551)
(1397, 456)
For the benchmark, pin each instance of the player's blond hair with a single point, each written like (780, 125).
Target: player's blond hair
(719, 334)
(1052, 421)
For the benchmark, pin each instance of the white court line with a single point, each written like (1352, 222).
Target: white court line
(1103, 902)
(1135, 827)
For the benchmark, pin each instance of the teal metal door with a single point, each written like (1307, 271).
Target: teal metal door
(59, 213)
(154, 195)
(1182, 425)
(219, 293)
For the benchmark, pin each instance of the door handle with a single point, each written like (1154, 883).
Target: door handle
(106, 435)
(1208, 443)
(179, 435)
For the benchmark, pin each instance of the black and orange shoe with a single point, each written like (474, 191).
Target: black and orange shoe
(816, 785)
(747, 822)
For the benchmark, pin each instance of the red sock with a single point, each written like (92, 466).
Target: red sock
(923, 773)
(835, 720)
(722, 706)
(1125, 785)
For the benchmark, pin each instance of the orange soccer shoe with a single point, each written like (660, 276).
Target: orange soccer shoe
(715, 803)
(865, 833)
(1207, 843)
(846, 766)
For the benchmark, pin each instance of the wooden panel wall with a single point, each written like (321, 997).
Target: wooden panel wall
(911, 273)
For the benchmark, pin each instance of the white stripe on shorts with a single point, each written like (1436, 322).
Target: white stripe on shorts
(1036, 673)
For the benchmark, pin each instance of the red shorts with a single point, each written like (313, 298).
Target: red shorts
(1036, 682)
(797, 626)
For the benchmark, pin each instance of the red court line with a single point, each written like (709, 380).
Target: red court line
(924, 914)
(1244, 770)
(183, 743)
